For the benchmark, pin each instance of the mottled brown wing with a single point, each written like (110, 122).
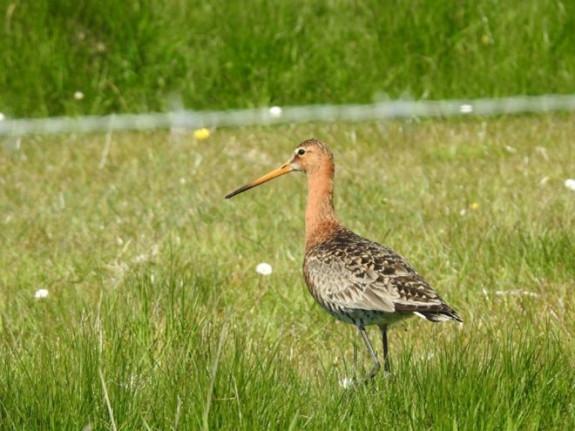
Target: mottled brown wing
(356, 273)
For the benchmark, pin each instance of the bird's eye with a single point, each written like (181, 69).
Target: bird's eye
(301, 152)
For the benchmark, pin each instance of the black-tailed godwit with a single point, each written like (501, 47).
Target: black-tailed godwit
(356, 280)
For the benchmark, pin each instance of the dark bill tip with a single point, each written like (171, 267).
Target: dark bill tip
(238, 191)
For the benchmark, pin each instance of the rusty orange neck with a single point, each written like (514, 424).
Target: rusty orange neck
(320, 219)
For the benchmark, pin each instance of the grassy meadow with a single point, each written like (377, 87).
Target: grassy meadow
(65, 57)
(155, 317)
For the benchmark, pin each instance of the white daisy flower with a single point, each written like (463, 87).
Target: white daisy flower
(41, 294)
(264, 268)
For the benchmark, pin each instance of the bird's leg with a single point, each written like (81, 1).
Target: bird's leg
(375, 368)
(386, 366)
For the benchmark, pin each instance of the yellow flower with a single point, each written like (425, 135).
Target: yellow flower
(201, 134)
(486, 39)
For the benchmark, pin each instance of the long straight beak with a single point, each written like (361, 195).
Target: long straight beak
(283, 169)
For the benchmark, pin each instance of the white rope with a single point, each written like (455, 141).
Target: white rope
(296, 114)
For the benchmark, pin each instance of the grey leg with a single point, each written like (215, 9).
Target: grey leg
(386, 367)
(375, 368)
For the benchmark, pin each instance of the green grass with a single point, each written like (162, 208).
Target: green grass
(141, 55)
(156, 318)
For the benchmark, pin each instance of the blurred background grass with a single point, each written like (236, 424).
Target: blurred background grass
(138, 56)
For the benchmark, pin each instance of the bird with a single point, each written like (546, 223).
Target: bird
(354, 279)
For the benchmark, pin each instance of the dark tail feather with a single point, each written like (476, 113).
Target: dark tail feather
(439, 316)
